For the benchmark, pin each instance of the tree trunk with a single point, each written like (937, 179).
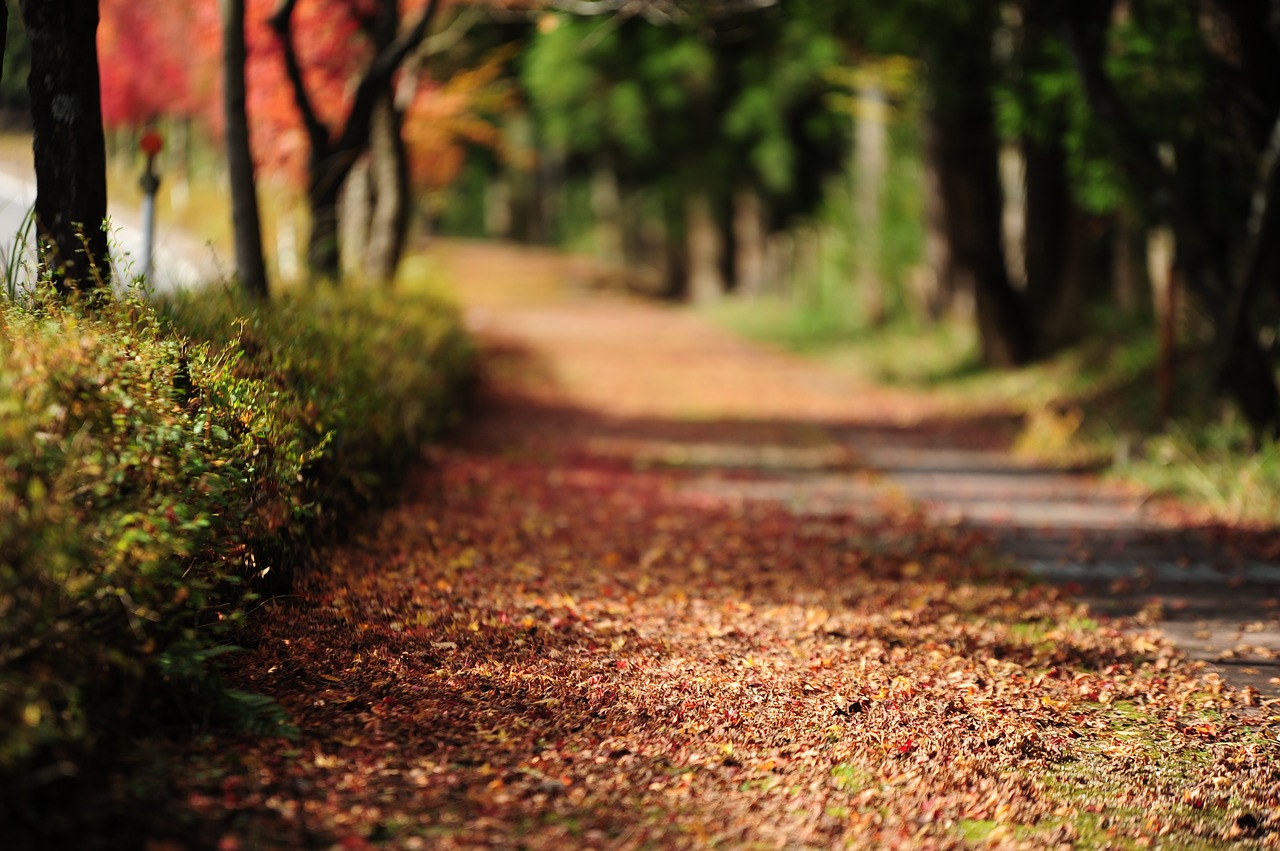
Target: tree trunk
(871, 162)
(251, 269)
(1059, 248)
(389, 173)
(332, 156)
(606, 209)
(550, 194)
(706, 250)
(941, 296)
(497, 206)
(676, 262)
(1045, 231)
(69, 144)
(1228, 295)
(324, 258)
(749, 243)
(965, 156)
(1127, 275)
(780, 249)
(1249, 376)
(4, 33)
(355, 219)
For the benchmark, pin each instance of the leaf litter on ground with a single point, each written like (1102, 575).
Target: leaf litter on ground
(543, 647)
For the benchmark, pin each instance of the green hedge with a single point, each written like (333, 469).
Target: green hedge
(158, 465)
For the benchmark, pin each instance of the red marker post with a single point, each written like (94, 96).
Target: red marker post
(151, 143)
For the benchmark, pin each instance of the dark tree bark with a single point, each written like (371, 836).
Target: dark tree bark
(332, 155)
(941, 296)
(1051, 221)
(251, 268)
(4, 33)
(69, 144)
(1048, 198)
(965, 155)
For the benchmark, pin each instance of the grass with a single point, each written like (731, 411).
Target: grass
(1106, 793)
(850, 778)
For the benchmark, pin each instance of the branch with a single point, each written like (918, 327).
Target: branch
(447, 38)
(622, 8)
(282, 23)
(437, 43)
(659, 11)
(355, 132)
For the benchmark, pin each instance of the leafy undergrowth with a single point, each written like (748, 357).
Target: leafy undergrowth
(536, 652)
(154, 466)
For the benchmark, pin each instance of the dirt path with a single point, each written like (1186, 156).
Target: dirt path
(671, 590)
(675, 391)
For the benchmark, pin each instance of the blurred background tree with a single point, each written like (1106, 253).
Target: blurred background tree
(1033, 168)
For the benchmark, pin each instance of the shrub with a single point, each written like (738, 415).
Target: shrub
(156, 464)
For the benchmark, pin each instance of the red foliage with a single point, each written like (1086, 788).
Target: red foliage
(332, 52)
(163, 59)
(154, 58)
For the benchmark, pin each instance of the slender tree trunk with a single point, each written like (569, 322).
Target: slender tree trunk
(966, 160)
(1057, 238)
(4, 33)
(389, 170)
(522, 183)
(69, 144)
(780, 249)
(497, 206)
(355, 219)
(645, 239)
(1058, 248)
(1127, 275)
(676, 255)
(749, 238)
(324, 258)
(871, 162)
(1047, 200)
(606, 209)
(942, 296)
(550, 193)
(706, 250)
(251, 269)
(1161, 259)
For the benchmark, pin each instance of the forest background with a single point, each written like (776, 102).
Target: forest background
(963, 189)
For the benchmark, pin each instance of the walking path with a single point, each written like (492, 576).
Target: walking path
(668, 589)
(678, 392)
